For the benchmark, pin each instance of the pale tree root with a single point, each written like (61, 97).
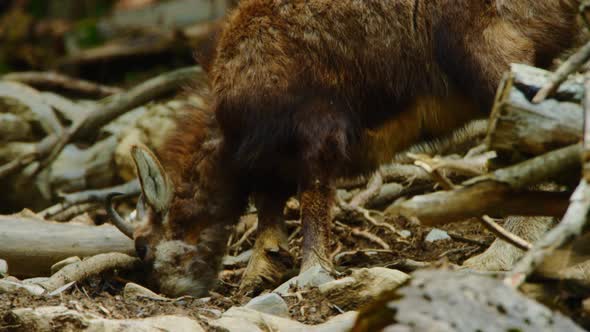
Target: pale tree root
(91, 266)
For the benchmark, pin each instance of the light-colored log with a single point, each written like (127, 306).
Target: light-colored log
(32, 246)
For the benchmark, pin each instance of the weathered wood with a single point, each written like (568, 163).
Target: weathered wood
(519, 127)
(575, 219)
(31, 246)
(500, 193)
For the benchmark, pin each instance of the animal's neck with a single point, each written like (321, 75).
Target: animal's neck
(217, 190)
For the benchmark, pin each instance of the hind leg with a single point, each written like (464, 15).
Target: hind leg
(501, 256)
(271, 257)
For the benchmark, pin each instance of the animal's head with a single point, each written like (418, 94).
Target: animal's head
(178, 238)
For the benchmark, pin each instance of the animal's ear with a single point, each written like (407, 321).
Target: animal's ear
(156, 186)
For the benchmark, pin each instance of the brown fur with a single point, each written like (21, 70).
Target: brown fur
(304, 91)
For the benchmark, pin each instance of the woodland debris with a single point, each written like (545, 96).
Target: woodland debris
(61, 81)
(362, 286)
(500, 193)
(238, 319)
(503, 234)
(98, 196)
(502, 255)
(573, 63)
(270, 303)
(520, 128)
(53, 242)
(573, 222)
(116, 105)
(46, 319)
(441, 300)
(63, 263)
(88, 267)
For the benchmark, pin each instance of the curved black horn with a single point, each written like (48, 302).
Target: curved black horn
(124, 226)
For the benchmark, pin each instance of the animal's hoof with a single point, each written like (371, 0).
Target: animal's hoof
(266, 269)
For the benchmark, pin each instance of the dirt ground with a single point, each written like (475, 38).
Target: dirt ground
(103, 296)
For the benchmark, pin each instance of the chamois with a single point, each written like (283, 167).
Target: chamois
(307, 91)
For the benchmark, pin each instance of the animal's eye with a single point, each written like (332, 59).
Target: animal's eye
(141, 247)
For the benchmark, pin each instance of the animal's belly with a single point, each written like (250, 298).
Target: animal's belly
(425, 117)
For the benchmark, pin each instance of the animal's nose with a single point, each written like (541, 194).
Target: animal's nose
(141, 247)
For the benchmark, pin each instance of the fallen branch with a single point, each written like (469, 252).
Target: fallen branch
(569, 66)
(91, 266)
(56, 80)
(33, 256)
(118, 104)
(499, 193)
(130, 188)
(370, 236)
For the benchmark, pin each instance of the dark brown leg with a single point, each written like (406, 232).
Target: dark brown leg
(316, 199)
(271, 258)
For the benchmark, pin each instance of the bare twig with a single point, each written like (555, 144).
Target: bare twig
(372, 190)
(41, 150)
(370, 236)
(245, 236)
(90, 196)
(569, 66)
(56, 80)
(427, 164)
(503, 234)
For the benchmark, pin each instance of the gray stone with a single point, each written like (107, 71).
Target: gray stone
(405, 233)
(437, 235)
(64, 262)
(312, 277)
(271, 303)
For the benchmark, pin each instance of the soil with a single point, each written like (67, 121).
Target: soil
(103, 296)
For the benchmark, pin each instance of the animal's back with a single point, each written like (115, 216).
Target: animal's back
(389, 70)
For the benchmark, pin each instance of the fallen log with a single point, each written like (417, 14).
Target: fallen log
(30, 256)
(520, 128)
(498, 194)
